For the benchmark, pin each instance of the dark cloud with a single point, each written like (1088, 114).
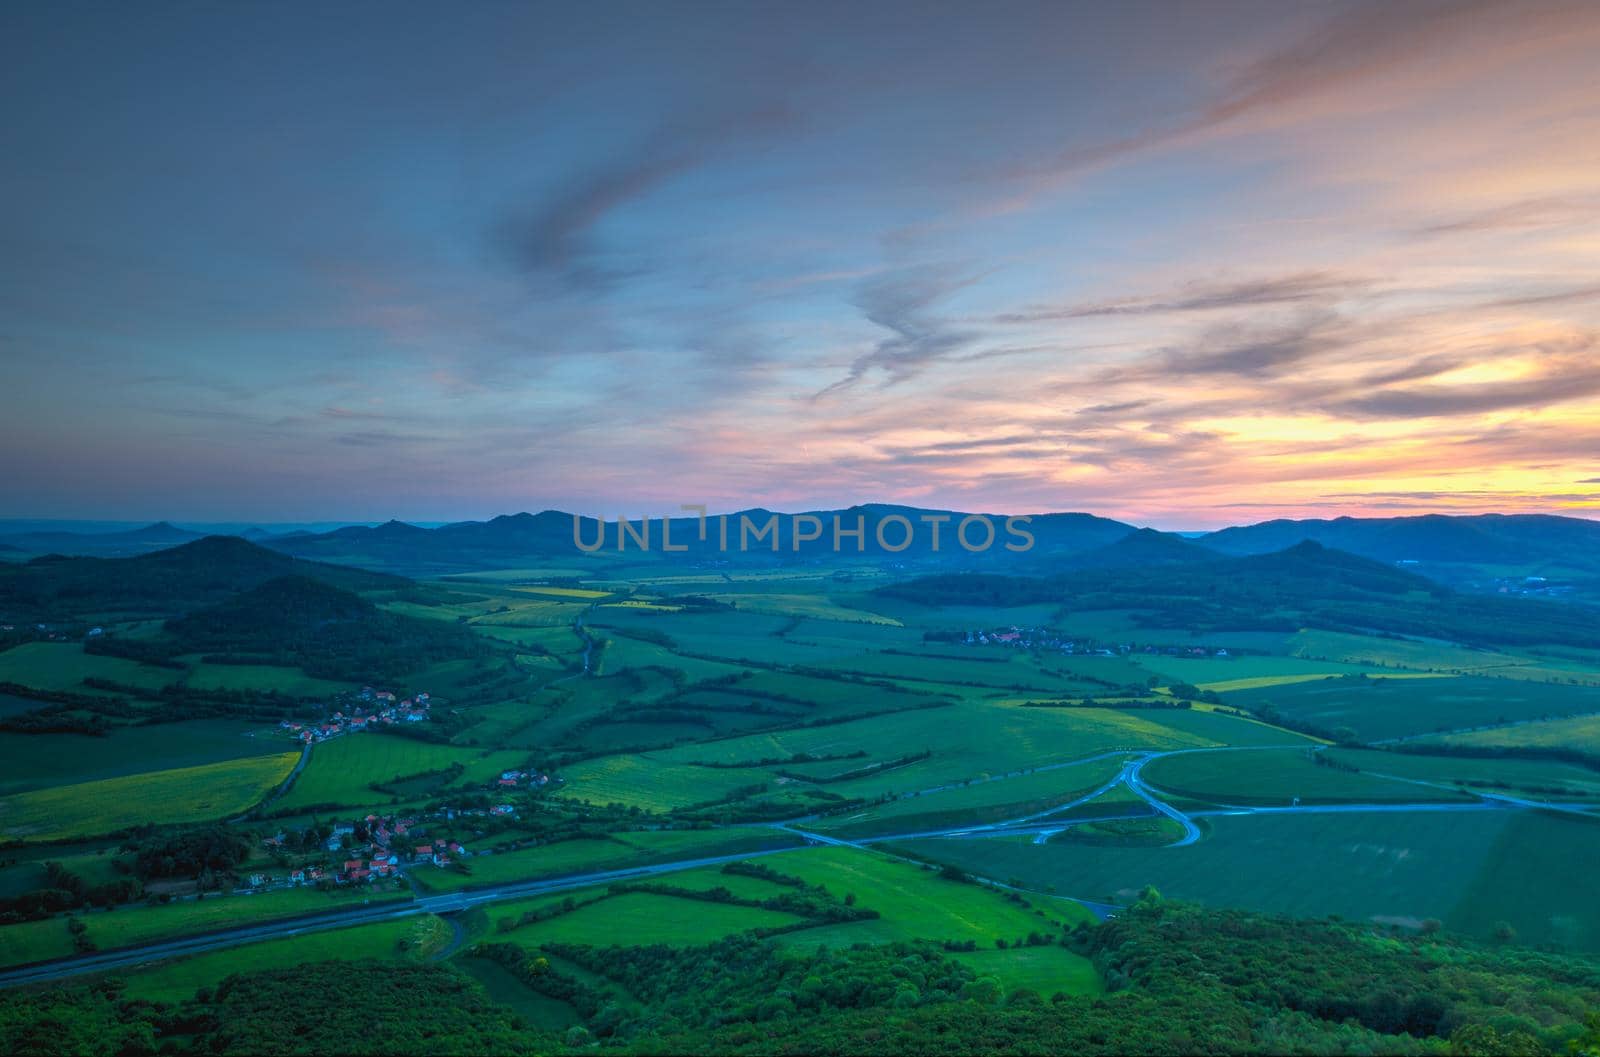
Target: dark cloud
(1243, 352)
(1570, 376)
(1366, 39)
(1590, 480)
(902, 304)
(1528, 213)
(1321, 287)
(556, 236)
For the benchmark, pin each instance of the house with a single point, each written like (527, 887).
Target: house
(502, 809)
(352, 865)
(333, 843)
(360, 874)
(297, 877)
(422, 852)
(258, 880)
(507, 782)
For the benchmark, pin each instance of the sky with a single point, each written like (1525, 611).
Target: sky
(1182, 264)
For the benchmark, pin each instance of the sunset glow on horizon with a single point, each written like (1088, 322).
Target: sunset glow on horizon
(1182, 265)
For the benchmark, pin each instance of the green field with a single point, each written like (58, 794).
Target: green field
(1542, 777)
(538, 1010)
(341, 771)
(186, 794)
(64, 666)
(408, 939)
(1270, 777)
(594, 855)
(1468, 870)
(37, 761)
(916, 903)
(642, 918)
(1579, 733)
(992, 800)
(1378, 709)
(1047, 970)
(204, 676)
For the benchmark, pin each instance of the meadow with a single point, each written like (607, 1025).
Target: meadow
(595, 854)
(1274, 778)
(915, 902)
(643, 918)
(39, 761)
(186, 794)
(1377, 709)
(64, 666)
(342, 771)
(1538, 777)
(1578, 733)
(404, 939)
(1468, 870)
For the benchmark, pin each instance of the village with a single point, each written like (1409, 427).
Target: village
(380, 847)
(373, 709)
(1039, 638)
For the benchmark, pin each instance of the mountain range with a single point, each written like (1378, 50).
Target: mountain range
(1436, 543)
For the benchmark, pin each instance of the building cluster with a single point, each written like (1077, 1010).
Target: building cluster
(1045, 639)
(374, 847)
(373, 709)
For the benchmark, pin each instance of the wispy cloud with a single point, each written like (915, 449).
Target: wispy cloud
(557, 236)
(1199, 296)
(903, 304)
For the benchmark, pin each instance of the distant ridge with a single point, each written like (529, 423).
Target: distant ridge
(1485, 538)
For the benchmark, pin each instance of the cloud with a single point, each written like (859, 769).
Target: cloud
(1570, 373)
(1524, 214)
(1428, 42)
(1238, 350)
(557, 235)
(1195, 297)
(902, 303)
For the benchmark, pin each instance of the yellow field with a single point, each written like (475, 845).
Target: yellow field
(185, 794)
(648, 607)
(1260, 681)
(563, 592)
(815, 606)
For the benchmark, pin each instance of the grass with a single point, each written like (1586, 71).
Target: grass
(994, 800)
(186, 794)
(1439, 656)
(34, 941)
(1468, 870)
(916, 903)
(966, 741)
(594, 855)
(1047, 970)
(1541, 777)
(1578, 732)
(540, 1011)
(636, 919)
(404, 939)
(38, 761)
(342, 770)
(64, 666)
(132, 926)
(1208, 672)
(293, 681)
(1277, 778)
(1378, 708)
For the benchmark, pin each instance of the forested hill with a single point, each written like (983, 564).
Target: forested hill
(161, 583)
(1505, 539)
(1307, 585)
(516, 537)
(322, 629)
